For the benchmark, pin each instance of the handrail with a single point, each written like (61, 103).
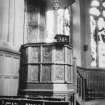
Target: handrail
(91, 69)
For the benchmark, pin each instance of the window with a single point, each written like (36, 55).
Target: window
(97, 30)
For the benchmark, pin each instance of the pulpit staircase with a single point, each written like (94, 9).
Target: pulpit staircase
(90, 86)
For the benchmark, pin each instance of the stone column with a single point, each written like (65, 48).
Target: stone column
(11, 23)
(4, 16)
(19, 23)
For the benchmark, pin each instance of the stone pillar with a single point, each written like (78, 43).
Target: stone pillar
(76, 32)
(19, 23)
(11, 23)
(4, 16)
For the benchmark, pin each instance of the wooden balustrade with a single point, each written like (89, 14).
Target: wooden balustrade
(91, 83)
(81, 86)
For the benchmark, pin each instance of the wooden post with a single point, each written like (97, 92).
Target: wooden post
(74, 78)
(75, 74)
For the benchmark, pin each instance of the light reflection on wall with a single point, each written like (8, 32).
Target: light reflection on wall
(57, 22)
(50, 20)
(60, 22)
